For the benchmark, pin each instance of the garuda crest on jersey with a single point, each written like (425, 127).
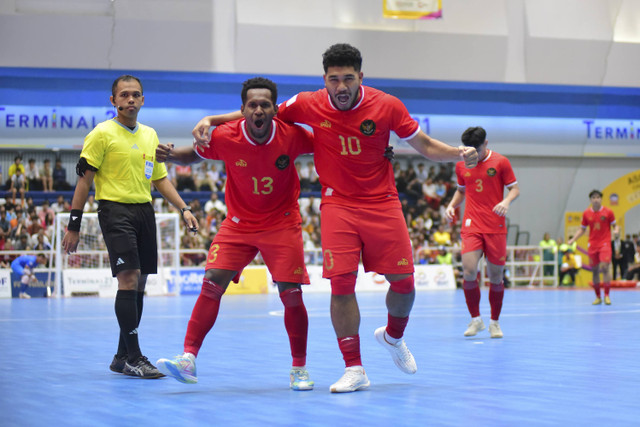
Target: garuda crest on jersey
(368, 127)
(282, 162)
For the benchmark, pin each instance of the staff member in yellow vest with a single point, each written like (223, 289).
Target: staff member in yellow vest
(120, 155)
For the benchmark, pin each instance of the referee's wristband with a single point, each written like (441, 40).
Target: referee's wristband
(75, 219)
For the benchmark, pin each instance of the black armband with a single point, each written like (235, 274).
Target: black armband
(83, 166)
(75, 219)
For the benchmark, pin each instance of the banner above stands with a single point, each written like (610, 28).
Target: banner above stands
(54, 127)
(51, 108)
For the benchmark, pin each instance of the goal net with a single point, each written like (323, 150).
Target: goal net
(88, 272)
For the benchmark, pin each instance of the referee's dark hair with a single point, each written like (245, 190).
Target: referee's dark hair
(474, 137)
(259, 83)
(125, 78)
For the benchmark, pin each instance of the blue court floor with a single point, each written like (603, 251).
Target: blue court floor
(562, 362)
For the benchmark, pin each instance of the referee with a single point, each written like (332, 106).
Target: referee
(120, 155)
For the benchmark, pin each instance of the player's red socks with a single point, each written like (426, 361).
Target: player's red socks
(607, 288)
(350, 348)
(472, 296)
(496, 295)
(596, 288)
(396, 326)
(296, 322)
(203, 316)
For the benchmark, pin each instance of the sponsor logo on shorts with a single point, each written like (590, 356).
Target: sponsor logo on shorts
(403, 261)
(326, 124)
(119, 261)
(282, 162)
(298, 270)
(491, 171)
(368, 127)
(241, 163)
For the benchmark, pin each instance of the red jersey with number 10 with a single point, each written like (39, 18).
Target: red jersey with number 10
(349, 146)
(484, 188)
(262, 187)
(599, 224)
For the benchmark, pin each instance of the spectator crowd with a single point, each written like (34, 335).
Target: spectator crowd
(425, 191)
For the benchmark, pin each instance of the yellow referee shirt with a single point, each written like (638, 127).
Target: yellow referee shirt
(125, 160)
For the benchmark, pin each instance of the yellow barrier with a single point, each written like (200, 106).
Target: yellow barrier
(252, 281)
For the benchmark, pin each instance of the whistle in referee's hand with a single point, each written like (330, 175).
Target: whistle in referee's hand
(194, 229)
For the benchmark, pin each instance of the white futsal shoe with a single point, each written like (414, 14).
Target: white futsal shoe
(354, 379)
(401, 355)
(476, 325)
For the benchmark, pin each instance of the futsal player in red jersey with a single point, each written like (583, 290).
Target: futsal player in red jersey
(360, 211)
(263, 215)
(599, 219)
(483, 229)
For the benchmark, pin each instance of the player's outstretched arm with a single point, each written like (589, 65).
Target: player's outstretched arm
(438, 151)
(181, 155)
(201, 131)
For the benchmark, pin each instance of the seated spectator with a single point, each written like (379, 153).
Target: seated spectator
(215, 203)
(40, 240)
(23, 242)
(441, 189)
(5, 226)
(18, 184)
(59, 205)
(430, 195)
(59, 176)
(303, 175)
(184, 178)
(46, 175)
(414, 187)
(202, 178)
(442, 237)
(16, 165)
(422, 173)
(34, 182)
(91, 205)
(312, 176)
(634, 269)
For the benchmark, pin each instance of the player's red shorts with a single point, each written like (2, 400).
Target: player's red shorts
(600, 254)
(378, 232)
(281, 249)
(494, 246)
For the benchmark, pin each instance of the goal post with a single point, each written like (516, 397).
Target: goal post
(88, 272)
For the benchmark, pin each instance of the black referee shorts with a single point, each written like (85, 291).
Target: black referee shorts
(129, 232)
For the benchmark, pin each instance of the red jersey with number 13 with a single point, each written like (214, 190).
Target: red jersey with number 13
(262, 187)
(349, 146)
(484, 188)
(599, 224)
